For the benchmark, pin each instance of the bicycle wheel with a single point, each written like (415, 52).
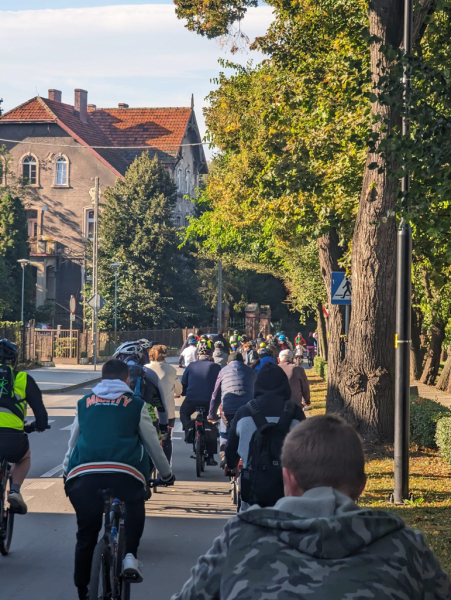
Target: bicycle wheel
(124, 585)
(7, 529)
(199, 456)
(99, 587)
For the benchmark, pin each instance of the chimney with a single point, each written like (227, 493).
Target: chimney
(81, 104)
(55, 95)
(92, 106)
(123, 105)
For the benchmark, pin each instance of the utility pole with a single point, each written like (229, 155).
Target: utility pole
(403, 300)
(115, 266)
(95, 252)
(219, 296)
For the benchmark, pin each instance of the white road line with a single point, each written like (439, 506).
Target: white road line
(53, 471)
(178, 427)
(40, 485)
(68, 428)
(51, 421)
(177, 438)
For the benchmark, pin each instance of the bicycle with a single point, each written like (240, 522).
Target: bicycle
(7, 513)
(199, 442)
(311, 356)
(108, 582)
(235, 489)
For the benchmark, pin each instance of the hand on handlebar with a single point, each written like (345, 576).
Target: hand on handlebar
(31, 427)
(164, 481)
(232, 472)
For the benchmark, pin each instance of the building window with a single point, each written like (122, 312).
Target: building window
(61, 171)
(89, 225)
(29, 169)
(179, 180)
(32, 221)
(188, 183)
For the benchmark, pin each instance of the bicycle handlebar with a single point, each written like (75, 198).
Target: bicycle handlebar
(31, 427)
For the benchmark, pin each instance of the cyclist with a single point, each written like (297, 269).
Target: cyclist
(235, 338)
(283, 342)
(299, 339)
(205, 340)
(186, 342)
(17, 389)
(264, 355)
(234, 388)
(300, 388)
(189, 354)
(146, 346)
(106, 451)
(220, 338)
(249, 353)
(311, 347)
(198, 383)
(131, 354)
(220, 357)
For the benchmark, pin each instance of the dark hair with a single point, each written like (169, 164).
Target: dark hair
(325, 451)
(236, 356)
(115, 369)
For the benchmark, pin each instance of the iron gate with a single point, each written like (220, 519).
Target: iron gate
(55, 345)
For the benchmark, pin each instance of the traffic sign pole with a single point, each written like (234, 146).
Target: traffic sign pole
(72, 307)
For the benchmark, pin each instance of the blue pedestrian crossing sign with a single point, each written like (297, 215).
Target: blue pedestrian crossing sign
(341, 288)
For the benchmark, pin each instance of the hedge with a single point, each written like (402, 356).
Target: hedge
(424, 415)
(320, 366)
(443, 438)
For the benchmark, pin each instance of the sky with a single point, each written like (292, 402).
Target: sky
(136, 53)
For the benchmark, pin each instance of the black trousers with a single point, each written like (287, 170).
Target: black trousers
(186, 411)
(88, 503)
(166, 441)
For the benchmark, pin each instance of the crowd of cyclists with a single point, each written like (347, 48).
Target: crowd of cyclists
(251, 394)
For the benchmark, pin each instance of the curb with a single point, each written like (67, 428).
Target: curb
(69, 388)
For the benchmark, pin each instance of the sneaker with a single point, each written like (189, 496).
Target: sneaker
(83, 593)
(211, 462)
(131, 567)
(16, 501)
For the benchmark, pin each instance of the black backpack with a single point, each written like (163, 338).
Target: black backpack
(261, 480)
(150, 393)
(8, 398)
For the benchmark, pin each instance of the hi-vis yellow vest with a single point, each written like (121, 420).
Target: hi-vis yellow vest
(13, 410)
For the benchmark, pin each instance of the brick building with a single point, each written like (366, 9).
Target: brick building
(61, 148)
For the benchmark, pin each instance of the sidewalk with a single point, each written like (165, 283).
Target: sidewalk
(63, 378)
(427, 391)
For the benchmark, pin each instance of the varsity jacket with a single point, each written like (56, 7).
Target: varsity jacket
(113, 433)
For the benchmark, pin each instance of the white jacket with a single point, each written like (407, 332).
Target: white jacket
(168, 383)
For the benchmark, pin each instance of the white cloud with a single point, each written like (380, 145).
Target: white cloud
(139, 54)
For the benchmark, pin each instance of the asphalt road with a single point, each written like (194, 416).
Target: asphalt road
(181, 522)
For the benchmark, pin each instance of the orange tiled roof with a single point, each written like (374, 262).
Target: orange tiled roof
(33, 110)
(161, 129)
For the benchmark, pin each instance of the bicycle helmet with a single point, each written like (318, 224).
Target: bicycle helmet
(204, 338)
(145, 344)
(264, 352)
(235, 332)
(219, 345)
(8, 351)
(129, 349)
(282, 338)
(192, 341)
(190, 335)
(203, 349)
(262, 345)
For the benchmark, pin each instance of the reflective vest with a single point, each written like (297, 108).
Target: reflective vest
(13, 408)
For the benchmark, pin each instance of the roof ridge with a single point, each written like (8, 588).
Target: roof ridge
(38, 98)
(141, 108)
(47, 108)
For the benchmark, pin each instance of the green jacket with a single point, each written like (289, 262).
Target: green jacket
(320, 546)
(113, 433)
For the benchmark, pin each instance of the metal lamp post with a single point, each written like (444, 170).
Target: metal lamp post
(23, 263)
(115, 266)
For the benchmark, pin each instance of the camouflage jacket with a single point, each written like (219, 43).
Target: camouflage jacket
(317, 546)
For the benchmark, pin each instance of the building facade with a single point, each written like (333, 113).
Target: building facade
(60, 149)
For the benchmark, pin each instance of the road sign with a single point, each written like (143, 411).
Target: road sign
(341, 288)
(72, 317)
(72, 304)
(97, 302)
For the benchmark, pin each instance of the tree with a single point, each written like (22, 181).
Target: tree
(13, 246)
(137, 230)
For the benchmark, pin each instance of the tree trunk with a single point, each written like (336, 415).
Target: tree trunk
(444, 381)
(416, 350)
(322, 331)
(329, 255)
(444, 355)
(363, 382)
(432, 363)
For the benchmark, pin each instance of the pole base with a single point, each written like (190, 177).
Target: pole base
(391, 499)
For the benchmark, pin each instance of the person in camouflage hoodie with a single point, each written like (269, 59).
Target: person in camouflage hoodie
(316, 543)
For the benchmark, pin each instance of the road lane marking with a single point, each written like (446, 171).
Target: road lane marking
(178, 427)
(68, 428)
(53, 471)
(40, 485)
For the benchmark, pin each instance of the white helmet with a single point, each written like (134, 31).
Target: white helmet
(145, 343)
(130, 349)
(190, 335)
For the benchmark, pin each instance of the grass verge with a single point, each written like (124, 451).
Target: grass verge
(430, 478)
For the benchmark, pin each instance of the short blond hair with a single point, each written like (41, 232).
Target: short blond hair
(325, 451)
(158, 353)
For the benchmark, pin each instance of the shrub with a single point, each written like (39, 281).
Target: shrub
(320, 366)
(424, 414)
(443, 438)
(325, 371)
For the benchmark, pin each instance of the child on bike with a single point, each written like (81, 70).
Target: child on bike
(111, 440)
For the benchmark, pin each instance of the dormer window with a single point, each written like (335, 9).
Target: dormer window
(61, 171)
(29, 170)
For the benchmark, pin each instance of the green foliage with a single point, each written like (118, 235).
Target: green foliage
(443, 438)
(424, 415)
(45, 312)
(320, 366)
(13, 246)
(155, 283)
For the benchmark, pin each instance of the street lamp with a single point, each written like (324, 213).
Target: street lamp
(115, 266)
(23, 263)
